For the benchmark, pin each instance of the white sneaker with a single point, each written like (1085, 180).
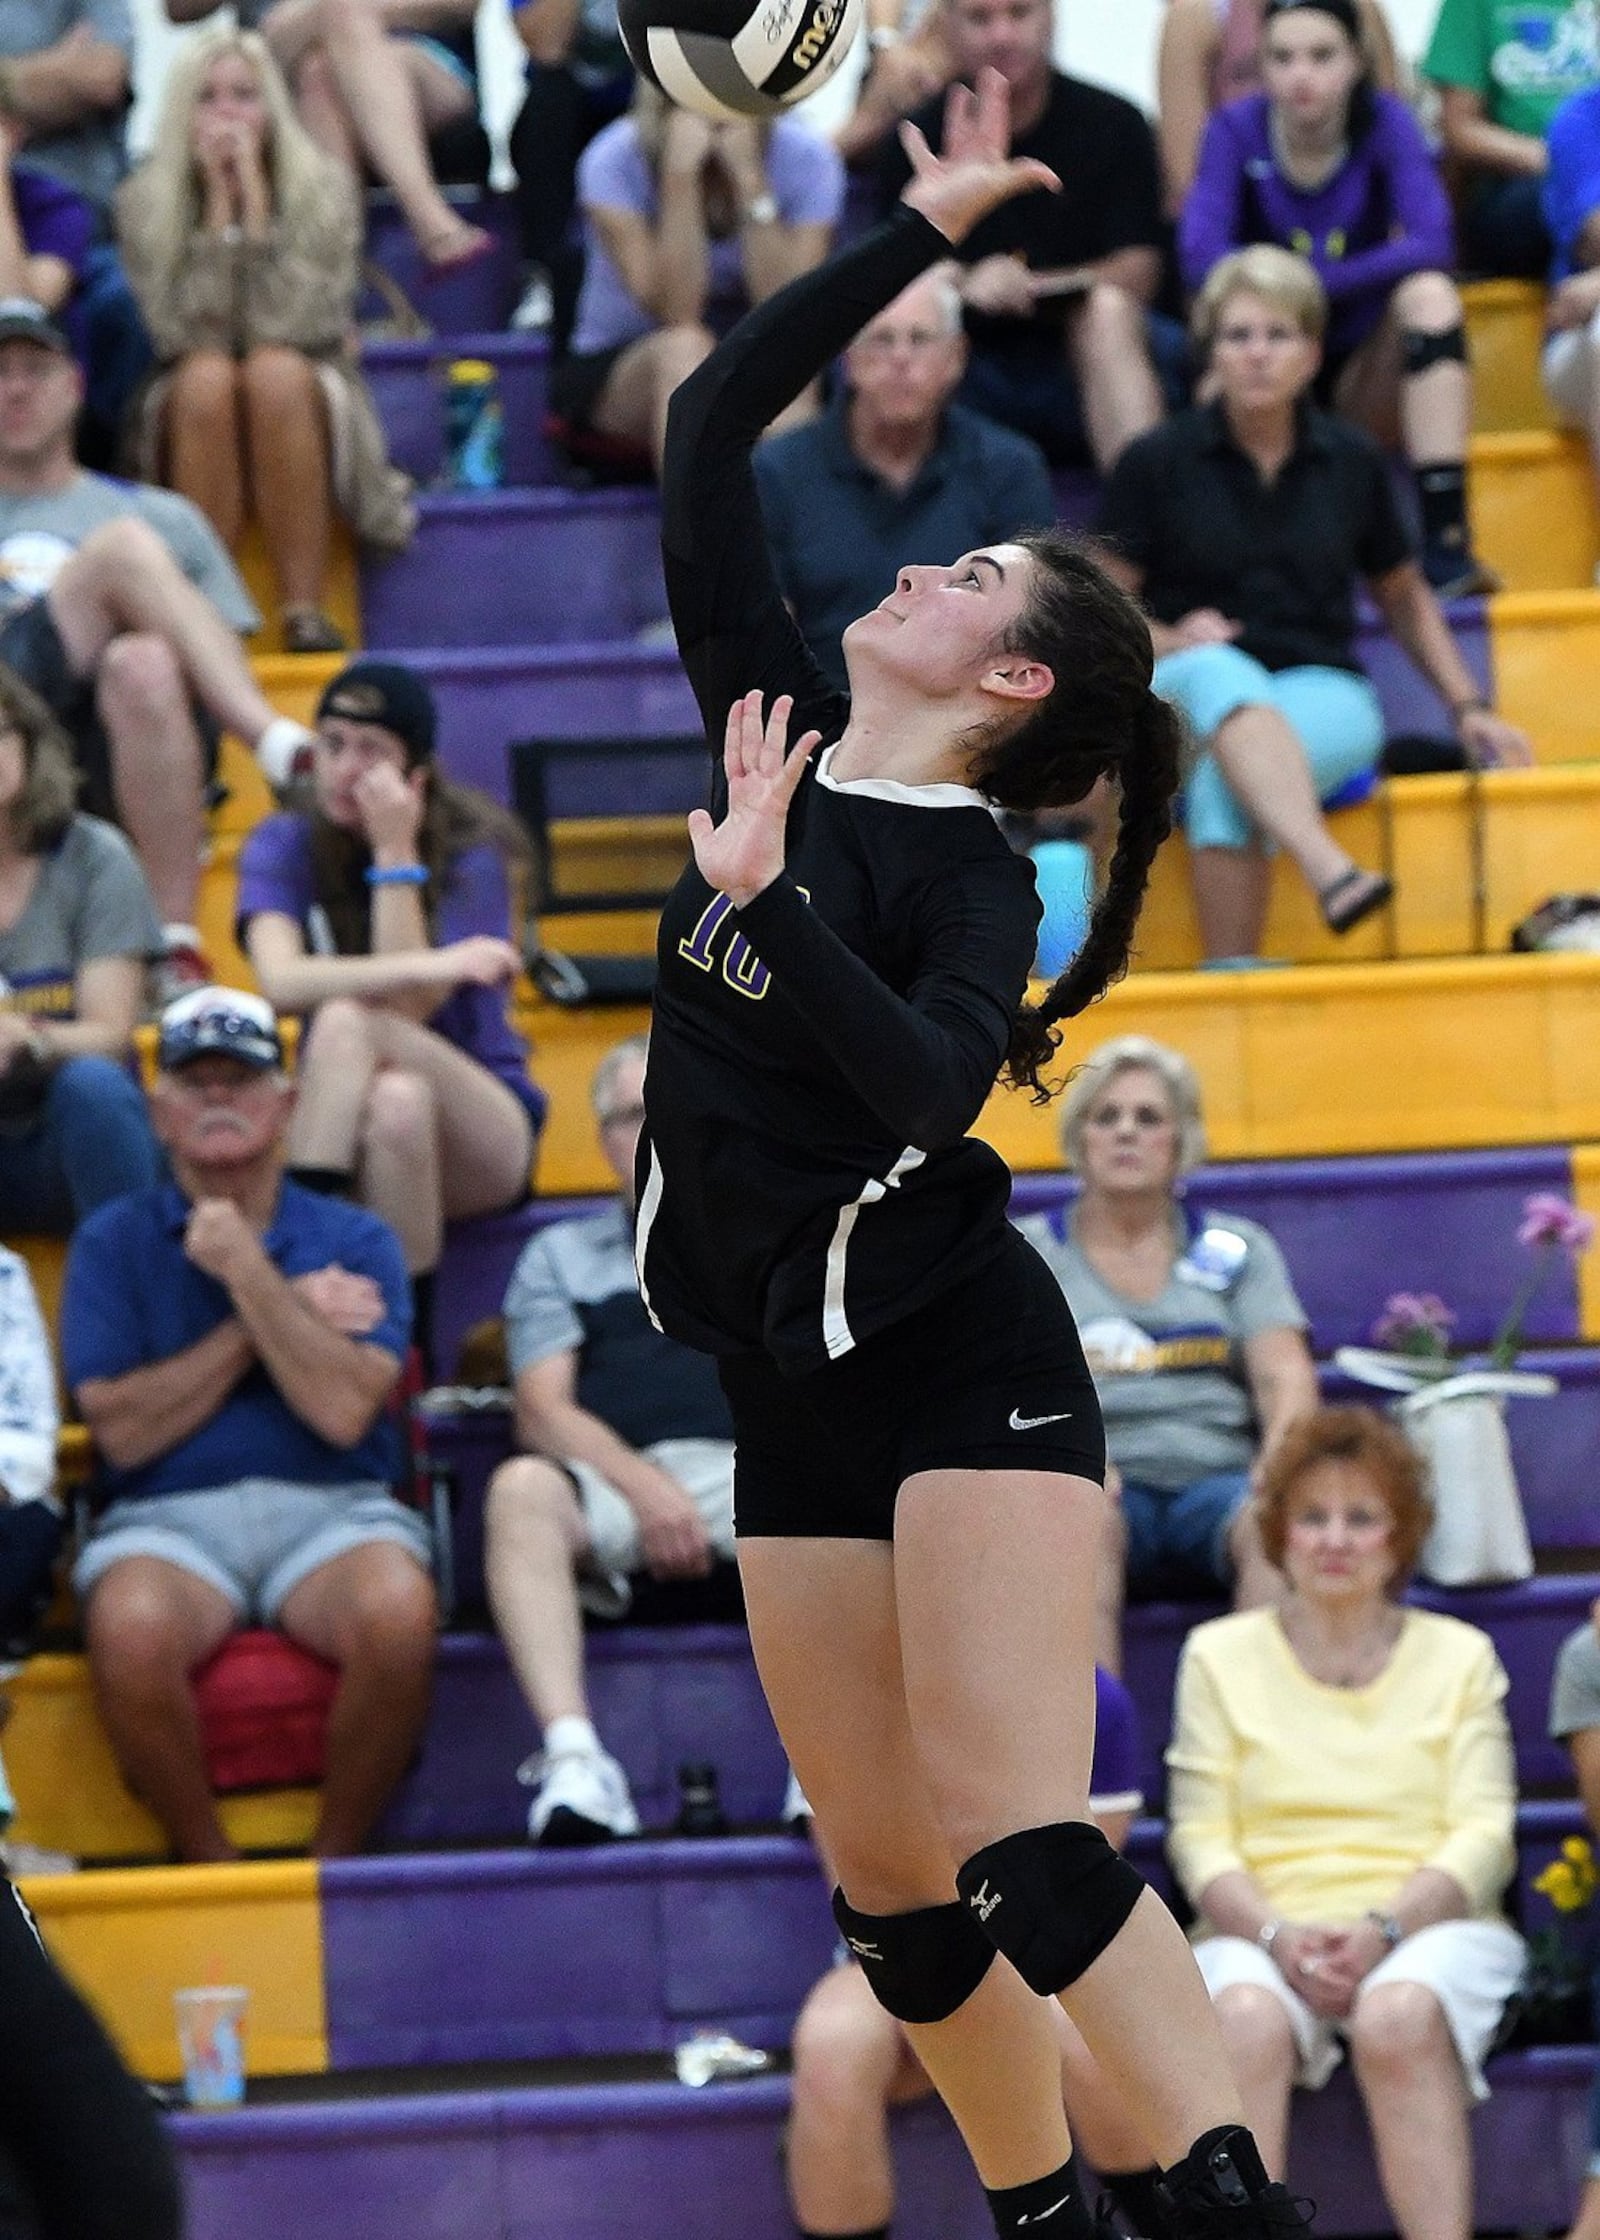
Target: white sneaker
(536, 308)
(796, 1812)
(581, 1798)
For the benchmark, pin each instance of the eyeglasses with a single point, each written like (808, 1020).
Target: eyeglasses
(625, 1116)
(883, 341)
(1148, 1116)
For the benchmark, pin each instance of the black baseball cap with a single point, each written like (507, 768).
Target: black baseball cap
(23, 320)
(223, 1023)
(388, 694)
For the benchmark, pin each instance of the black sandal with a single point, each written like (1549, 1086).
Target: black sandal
(1363, 892)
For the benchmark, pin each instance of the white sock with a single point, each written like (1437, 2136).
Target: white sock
(277, 748)
(179, 936)
(571, 1737)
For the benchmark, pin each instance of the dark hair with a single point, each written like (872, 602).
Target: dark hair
(454, 819)
(48, 801)
(1369, 1442)
(1101, 719)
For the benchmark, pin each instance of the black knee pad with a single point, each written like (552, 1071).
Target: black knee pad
(1050, 1899)
(1419, 350)
(921, 1965)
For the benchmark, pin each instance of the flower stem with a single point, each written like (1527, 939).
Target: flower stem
(1508, 1338)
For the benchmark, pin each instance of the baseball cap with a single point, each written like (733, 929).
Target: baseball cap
(23, 320)
(219, 1022)
(386, 693)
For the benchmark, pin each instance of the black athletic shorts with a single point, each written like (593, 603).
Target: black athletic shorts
(988, 1376)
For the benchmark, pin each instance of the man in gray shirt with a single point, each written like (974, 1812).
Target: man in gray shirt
(119, 605)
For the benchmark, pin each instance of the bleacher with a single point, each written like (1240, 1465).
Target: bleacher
(457, 2035)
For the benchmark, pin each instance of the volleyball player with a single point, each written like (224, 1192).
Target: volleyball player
(920, 1459)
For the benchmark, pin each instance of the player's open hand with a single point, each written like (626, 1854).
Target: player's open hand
(974, 171)
(744, 853)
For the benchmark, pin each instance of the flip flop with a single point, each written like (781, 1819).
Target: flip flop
(1363, 892)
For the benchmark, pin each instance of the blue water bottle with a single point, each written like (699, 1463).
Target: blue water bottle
(474, 425)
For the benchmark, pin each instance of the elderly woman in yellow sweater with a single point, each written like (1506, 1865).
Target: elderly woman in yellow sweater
(1342, 1818)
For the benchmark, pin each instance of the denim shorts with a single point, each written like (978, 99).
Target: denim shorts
(1178, 1542)
(255, 1540)
(1334, 713)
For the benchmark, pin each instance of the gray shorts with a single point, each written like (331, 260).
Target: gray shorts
(1575, 1692)
(704, 1469)
(255, 1540)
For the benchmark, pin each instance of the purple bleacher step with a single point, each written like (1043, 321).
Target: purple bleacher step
(474, 298)
(407, 383)
(533, 1955)
(617, 2162)
(1528, 1624)
(662, 1696)
(520, 568)
(489, 697)
(1352, 1231)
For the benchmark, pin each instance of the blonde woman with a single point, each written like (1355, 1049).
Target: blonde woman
(242, 241)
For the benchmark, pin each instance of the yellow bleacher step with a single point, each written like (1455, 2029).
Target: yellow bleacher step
(341, 597)
(131, 1937)
(1545, 659)
(1533, 509)
(1505, 332)
(70, 1796)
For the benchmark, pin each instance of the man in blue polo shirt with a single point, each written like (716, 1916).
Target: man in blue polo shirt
(893, 473)
(232, 1343)
(631, 1471)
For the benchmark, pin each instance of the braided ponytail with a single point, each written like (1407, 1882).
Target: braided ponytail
(1101, 719)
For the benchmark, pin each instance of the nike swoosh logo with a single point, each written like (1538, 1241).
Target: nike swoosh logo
(1040, 2216)
(1032, 1423)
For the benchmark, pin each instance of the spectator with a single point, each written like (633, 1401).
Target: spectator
(1572, 213)
(77, 928)
(1342, 1817)
(629, 1471)
(1058, 286)
(31, 1526)
(243, 242)
(65, 86)
(1575, 1720)
(371, 89)
(119, 607)
(894, 472)
(1321, 164)
(1244, 524)
(1191, 1328)
(1210, 54)
(579, 79)
(387, 909)
(684, 223)
(233, 1342)
(909, 61)
(1503, 69)
(853, 2061)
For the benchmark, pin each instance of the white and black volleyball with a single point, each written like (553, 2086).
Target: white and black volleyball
(729, 58)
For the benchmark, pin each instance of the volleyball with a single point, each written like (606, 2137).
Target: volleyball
(727, 58)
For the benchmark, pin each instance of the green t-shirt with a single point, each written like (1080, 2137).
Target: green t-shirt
(1525, 57)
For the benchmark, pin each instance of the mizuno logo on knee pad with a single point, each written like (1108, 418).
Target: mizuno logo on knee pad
(983, 1901)
(863, 1950)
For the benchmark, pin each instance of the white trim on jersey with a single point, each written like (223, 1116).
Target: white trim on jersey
(649, 1206)
(892, 789)
(837, 1335)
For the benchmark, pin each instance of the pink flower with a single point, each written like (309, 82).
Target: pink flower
(1549, 1220)
(1414, 1322)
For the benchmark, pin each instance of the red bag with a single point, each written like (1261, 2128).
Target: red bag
(263, 1705)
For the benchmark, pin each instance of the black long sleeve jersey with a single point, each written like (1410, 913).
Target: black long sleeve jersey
(817, 1057)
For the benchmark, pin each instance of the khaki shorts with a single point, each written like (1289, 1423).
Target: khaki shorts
(1471, 1967)
(704, 1469)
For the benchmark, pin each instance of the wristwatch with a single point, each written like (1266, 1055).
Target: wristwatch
(761, 210)
(1268, 1934)
(1387, 1926)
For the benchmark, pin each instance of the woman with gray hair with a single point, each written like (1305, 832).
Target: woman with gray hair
(1191, 1329)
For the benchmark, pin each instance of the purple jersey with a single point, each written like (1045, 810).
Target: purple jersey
(275, 874)
(1382, 215)
(57, 222)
